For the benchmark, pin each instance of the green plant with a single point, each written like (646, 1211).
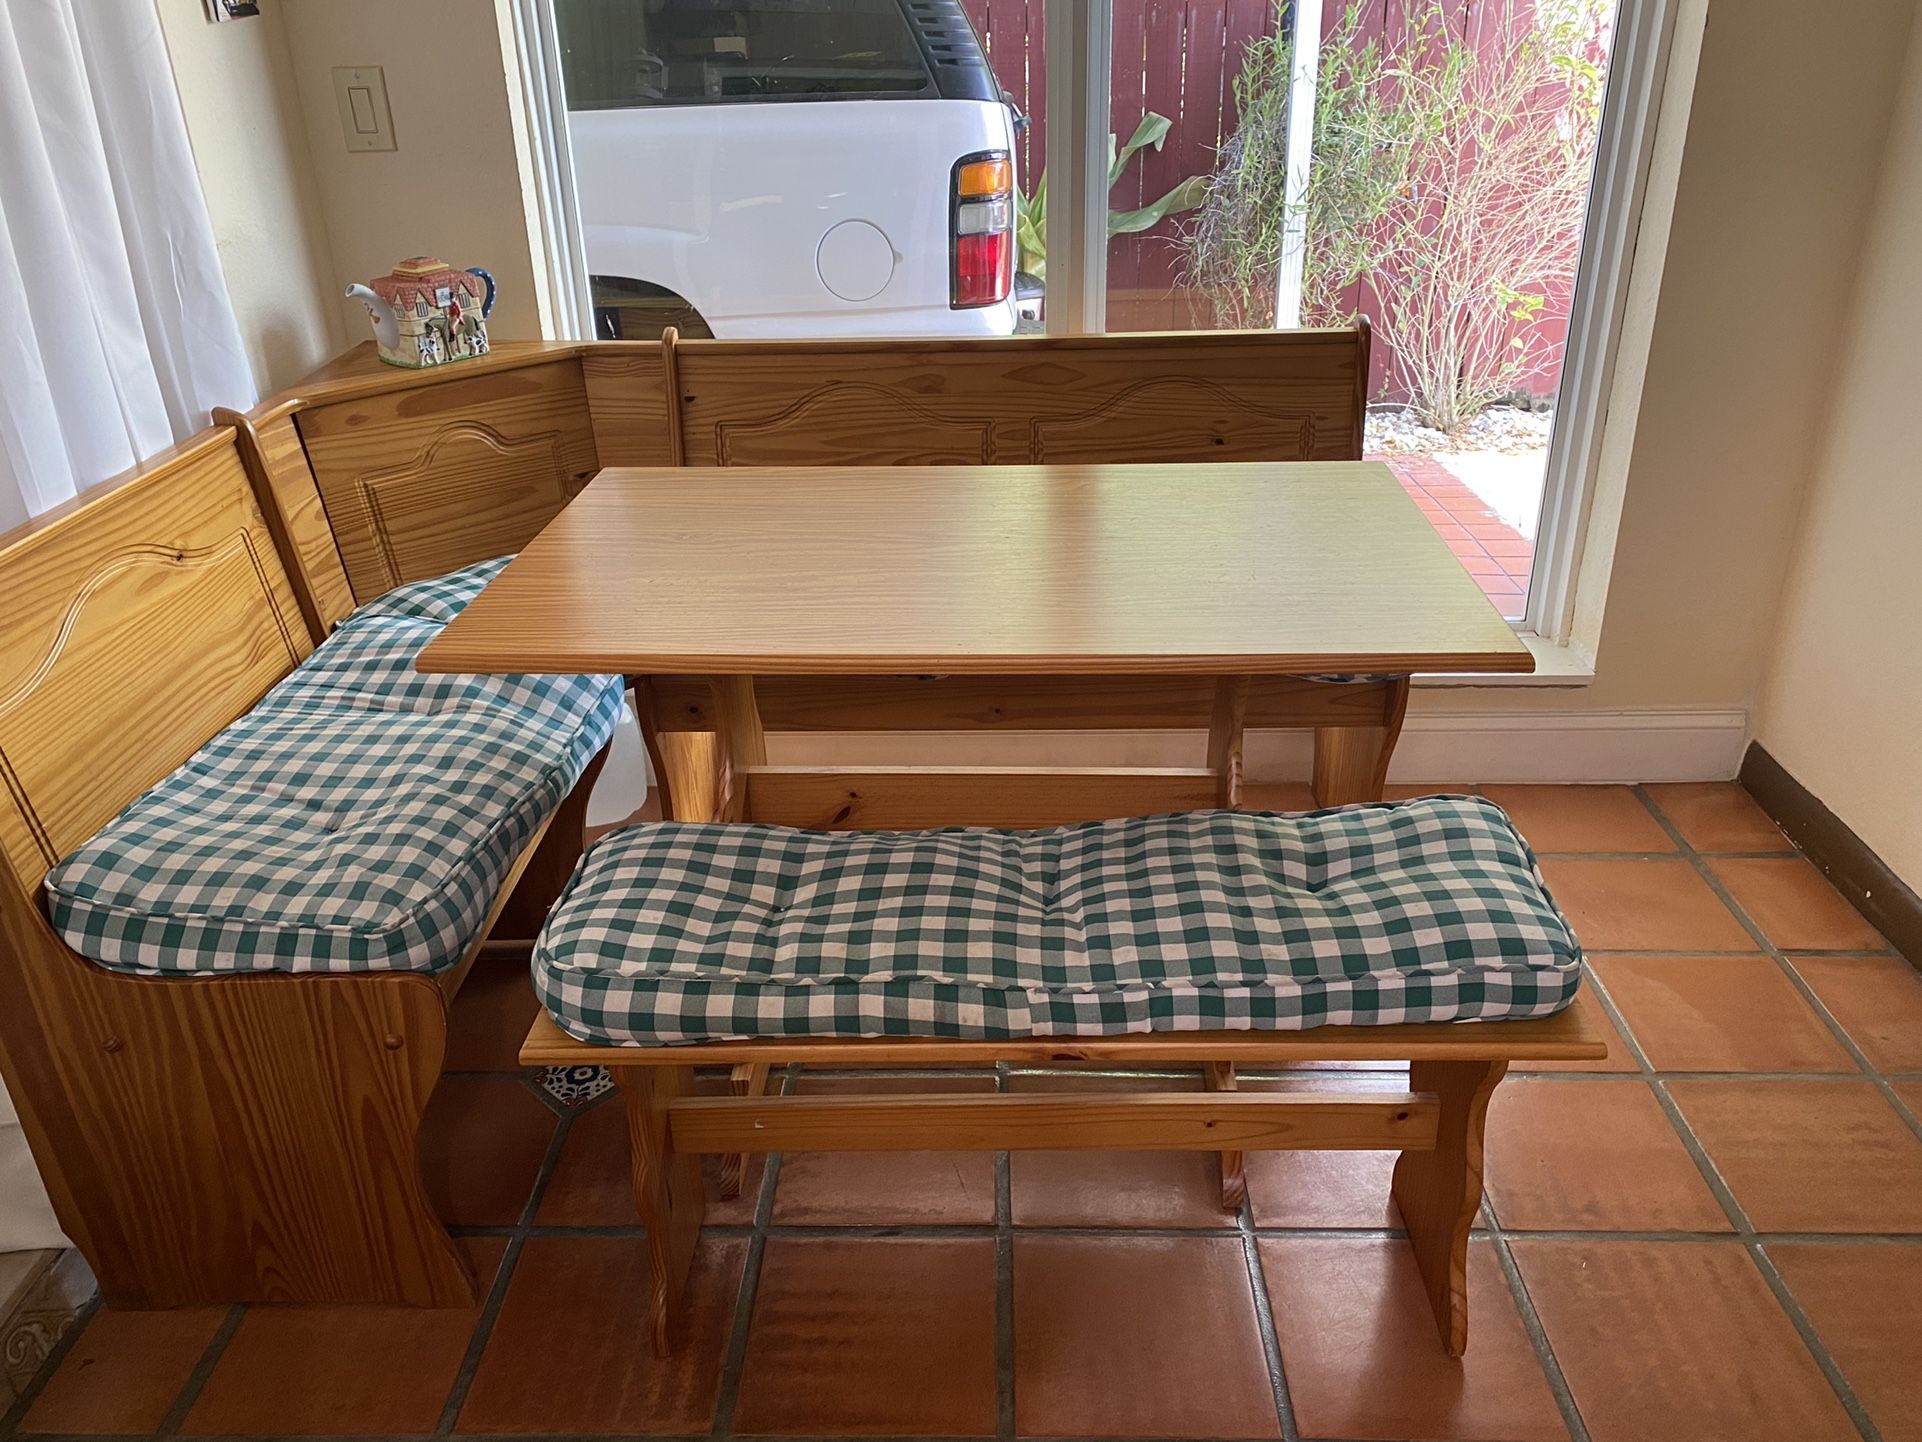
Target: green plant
(1031, 211)
(1450, 177)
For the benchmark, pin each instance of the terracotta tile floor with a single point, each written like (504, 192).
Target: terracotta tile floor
(1497, 555)
(1714, 1236)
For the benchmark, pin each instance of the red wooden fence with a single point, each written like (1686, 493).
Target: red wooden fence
(1180, 58)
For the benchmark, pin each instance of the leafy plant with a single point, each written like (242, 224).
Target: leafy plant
(1450, 177)
(1031, 211)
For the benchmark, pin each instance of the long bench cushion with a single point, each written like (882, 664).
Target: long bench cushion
(361, 817)
(1429, 911)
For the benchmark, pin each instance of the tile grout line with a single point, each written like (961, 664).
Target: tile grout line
(1745, 1229)
(1265, 1320)
(1004, 1374)
(482, 1334)
(727, 1386)
(985, 1231)
(1532, 1324)
(496, 1295)
(196, 1382)
(1805, 1329)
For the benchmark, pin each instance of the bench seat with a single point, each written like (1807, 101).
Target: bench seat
(361, 817)
(1432, 910)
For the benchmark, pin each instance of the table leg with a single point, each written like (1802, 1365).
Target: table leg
(1225, 738)
(695, 770)
(739, 741)
(1351, 762)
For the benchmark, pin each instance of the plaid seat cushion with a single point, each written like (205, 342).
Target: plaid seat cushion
(362, 817)
(1429, 911)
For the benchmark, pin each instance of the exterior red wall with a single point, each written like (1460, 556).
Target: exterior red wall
(1180, 58)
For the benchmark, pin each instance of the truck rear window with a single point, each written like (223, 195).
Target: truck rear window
(621, 53)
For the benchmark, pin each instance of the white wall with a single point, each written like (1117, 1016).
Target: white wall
(1842, 709)
(453, 187)
(250, 146)
(1777, 174)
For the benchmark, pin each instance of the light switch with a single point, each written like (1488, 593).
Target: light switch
(365, 118)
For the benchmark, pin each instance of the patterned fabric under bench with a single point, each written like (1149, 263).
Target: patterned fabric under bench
(1432, 910)
(361, 817)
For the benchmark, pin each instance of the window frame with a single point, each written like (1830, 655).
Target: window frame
(1079, 39)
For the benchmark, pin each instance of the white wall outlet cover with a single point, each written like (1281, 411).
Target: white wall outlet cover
(365, 119)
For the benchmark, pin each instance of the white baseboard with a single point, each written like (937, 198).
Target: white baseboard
(1456, 746)
(1592, 746)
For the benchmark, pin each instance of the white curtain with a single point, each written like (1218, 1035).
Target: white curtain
(116, 334)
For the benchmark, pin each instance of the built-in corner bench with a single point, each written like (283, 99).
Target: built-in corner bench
(214, 1132)
(243, 874)
(1417, 933)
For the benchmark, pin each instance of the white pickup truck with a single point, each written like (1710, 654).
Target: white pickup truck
(790, 168)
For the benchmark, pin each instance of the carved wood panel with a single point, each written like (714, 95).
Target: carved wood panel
(137, 627)
(1291, 395)
(417, 482)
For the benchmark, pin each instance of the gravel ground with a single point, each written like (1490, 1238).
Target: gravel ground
(1500, 428)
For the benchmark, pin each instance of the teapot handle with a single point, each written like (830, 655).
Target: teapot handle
(487, 305)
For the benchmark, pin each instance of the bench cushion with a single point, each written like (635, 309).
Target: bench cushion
(361, 817)
(1429, 911)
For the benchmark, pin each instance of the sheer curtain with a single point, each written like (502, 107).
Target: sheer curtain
(116, 334)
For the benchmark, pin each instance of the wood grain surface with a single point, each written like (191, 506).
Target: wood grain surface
(1565, 1036)
(1093, 570)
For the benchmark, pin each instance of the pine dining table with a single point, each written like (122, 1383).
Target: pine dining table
(989, 599)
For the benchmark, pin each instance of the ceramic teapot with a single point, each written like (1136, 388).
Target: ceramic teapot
(427, 313)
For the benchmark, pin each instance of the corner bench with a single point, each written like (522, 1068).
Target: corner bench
(244, 865)
(1214, 938)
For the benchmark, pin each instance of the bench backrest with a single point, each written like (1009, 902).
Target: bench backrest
(421, 472)
(140, 619)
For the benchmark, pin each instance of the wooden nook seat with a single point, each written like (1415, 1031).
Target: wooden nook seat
(208, 1138)
(1217, 937)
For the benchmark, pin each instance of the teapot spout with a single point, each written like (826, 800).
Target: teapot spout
(386, 323)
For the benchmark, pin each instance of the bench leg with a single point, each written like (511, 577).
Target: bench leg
(749, 1079)
(1220, 1077)
(667, 1190)
(1440, 1191)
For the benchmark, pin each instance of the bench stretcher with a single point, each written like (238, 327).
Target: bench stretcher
(1436, 1125)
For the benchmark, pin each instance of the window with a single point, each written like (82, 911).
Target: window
(1426, 165)
(619, 53)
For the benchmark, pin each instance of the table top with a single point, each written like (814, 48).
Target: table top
(1263, 568)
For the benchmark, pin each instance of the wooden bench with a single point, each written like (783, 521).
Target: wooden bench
(1213, 938)
(205, 1138)
(1436, 1124)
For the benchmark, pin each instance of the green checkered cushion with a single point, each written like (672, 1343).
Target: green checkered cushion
(1429, 911)
(362, 817)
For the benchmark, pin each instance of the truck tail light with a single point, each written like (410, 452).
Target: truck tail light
(983, 230)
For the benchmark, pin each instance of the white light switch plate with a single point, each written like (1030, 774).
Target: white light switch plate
(365, 119)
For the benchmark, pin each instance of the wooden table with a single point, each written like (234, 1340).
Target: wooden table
(947, 598)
